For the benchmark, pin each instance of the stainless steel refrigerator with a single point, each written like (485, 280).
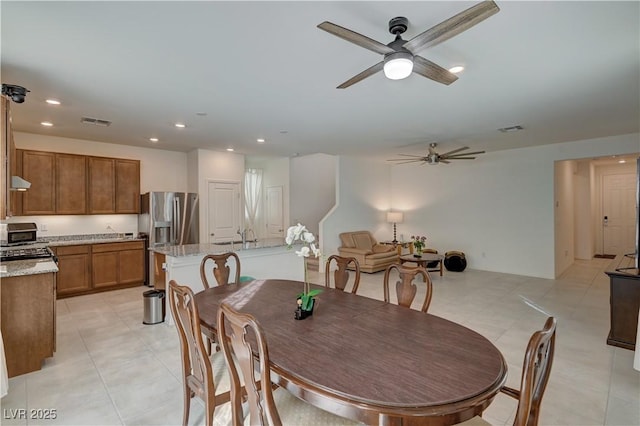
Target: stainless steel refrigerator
(168, 218)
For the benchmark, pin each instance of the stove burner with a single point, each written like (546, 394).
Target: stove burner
(25, 253)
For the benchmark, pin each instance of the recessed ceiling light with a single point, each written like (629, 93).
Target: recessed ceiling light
(230, 149)
(456, 69)
(154, 140)
(621, 161)
(181, 125)
(201, 114)
(52, 102)
(47, 124)
(260, 140)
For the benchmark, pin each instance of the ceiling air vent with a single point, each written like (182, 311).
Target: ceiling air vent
(511, 129)
(95, 121)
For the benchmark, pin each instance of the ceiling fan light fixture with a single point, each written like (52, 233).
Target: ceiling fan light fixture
(398, 65)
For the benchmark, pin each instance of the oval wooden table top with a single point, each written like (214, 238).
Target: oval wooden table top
(367, 360)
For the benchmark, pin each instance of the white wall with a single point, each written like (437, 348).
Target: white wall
(583, 236)
(362, 200)
(313, 189)
(498, 209)
(216, 166)
(160, 170)
(564, 214)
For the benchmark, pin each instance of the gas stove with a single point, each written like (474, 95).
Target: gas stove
(25, 252)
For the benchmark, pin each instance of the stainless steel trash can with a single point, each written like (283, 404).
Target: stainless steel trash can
(153, 306)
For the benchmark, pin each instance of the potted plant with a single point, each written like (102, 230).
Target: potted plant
(418, 243)
(306, 299)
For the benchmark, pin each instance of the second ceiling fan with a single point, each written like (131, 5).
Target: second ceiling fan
(400, 56)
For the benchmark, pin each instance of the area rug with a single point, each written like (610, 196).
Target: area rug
(604, 256)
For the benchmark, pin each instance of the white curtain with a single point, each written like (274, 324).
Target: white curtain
(252, 192)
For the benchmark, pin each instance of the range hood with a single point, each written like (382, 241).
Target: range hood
(19, 184)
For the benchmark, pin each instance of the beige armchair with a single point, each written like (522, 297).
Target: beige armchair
(371, 256)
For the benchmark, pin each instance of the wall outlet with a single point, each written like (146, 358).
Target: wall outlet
(44, 227)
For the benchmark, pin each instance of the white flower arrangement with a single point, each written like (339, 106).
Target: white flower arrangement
(300, 233)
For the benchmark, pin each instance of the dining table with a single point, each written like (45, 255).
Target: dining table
(365, 359)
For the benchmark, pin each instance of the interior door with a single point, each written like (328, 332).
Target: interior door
(275, 219)
(619, 212)
(224, 211)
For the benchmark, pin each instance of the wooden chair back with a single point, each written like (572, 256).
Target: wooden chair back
(221, 270)
(405, 288)
(341, 274)
(536, 369)
(239, 348)
(197, 370)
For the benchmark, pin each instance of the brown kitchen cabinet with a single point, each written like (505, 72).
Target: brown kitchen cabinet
(71, 184)
(116, 265)
(102, 185)
(28, 321)
(127, 198)
(39, 168)
(114, 185)
(74, 270)
(9, 200)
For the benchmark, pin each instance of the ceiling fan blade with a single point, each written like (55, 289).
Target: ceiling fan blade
(411, 155)
(461, 158)
(465, 154)
(444, 161)
(355, 38)
(452, 26)
(407, 162)
(433, 71)
(364, 74)
(454, 151)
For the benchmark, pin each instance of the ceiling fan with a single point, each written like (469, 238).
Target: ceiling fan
(400, 56)
(434, 158)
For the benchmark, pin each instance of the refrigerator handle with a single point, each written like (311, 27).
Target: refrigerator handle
(174, 223)
(178, 221)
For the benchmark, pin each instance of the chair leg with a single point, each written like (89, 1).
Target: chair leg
(187, 404)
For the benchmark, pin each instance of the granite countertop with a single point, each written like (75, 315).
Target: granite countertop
(72, 240)
(27, 267)
(200, 249)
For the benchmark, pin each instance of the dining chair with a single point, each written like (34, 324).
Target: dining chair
(341, 274)
(405, 288)
(221, 270)
(197, 368)
(246, 353)
(536, 369)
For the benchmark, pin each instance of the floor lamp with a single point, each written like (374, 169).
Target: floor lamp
(394, 217)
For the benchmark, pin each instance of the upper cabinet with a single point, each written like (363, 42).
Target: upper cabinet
(114, 185)
(127, 186)
(102, 185)
(8, 198)
(78, 184)
(71, 184)
(39, 168)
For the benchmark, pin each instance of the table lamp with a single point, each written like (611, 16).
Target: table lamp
(394, 217)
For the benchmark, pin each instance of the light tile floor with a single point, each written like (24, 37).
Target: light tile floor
(110, 369)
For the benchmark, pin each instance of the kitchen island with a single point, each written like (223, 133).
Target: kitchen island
(28, 313)
(261, 259)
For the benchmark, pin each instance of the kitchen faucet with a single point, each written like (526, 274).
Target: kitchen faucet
(243, 234)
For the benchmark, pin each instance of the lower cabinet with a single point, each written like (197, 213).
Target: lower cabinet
(116, 264)
(28, 321)
(98, 267)
(74, 269)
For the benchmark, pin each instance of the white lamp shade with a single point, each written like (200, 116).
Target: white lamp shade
(395, 217)
(398, 65)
